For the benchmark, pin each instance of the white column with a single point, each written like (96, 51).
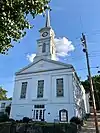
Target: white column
(38, 114)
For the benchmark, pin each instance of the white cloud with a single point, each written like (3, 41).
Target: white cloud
(31, 57)
(63, 47)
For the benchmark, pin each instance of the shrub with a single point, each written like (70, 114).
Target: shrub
(17, 121)
(87, 115)
(72, 128)
(49, 127)
(4, 118)
(12, 120)
(20, 121)
(76, 120)
(26, 119)
(59, 128)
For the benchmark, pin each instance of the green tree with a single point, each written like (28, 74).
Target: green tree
(10, 98)
(3, 94)
(86, 85)
(96, 85)
(14, 19)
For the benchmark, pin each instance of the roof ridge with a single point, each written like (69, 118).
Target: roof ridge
(45, 59)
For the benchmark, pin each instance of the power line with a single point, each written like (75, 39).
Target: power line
(81, 57)
(84, 43)
(95, 67)
(95, 51)
(86, 68)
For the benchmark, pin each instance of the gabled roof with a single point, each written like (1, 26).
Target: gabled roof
(68, 66)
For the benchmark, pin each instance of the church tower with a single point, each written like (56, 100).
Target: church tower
(46, 45)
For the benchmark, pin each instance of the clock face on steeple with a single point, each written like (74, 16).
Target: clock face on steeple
(44, 34)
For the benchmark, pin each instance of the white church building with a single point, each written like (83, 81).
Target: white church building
(48, 89)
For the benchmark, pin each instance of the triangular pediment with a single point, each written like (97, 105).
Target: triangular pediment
(43, 65)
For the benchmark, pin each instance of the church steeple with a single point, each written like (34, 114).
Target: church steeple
(46, 45)
(47, 19)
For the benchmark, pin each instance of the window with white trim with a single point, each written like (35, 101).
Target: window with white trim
(63, 115)
(23, 90)
(40, 89)
(59, 87)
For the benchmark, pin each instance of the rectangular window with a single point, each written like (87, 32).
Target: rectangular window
(40, 89)
(23, 90)
(44, 48)
(63, 116)
(3, 105)
(59, 87)
(38, 106)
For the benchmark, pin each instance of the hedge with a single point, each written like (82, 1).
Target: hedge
(4, 118)
(37, 127)
(51, 127)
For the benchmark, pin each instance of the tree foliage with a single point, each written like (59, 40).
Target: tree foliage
(86, 85)
(96, 85)
(3, 93)
(10, 98)
(14, 19)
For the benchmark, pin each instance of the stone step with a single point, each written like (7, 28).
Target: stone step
(91, 110)
(92, 119)
(92, 114)
(88, 130)
(90, 123)
(89, 127)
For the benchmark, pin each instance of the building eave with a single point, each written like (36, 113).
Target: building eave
(67, 66)
(42, 71)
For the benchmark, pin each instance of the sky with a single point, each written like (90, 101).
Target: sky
(69, 18)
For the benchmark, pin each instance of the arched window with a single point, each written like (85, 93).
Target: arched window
(44, 48)
(63, 115)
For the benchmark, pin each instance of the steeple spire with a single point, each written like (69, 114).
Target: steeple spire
(47, 19)
(46, 45)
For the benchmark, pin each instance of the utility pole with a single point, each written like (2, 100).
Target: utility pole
(83, 40)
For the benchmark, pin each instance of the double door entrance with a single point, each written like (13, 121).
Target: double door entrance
(38, 112)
